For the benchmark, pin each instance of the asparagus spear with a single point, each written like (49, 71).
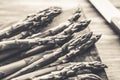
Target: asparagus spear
(20, 43)
(60, 27)
(78, 50)
(89, 76)
(72, 70)
(13, 67)
(46, 59)
(37, 20)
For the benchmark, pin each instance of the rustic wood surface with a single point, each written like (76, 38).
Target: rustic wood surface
(108, 46)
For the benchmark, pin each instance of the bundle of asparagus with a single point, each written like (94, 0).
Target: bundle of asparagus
(53, 31)
(71, 29)
(78, 50)
(71, 70)
(48, 55)
(31, 24)
(49, 58)
(13, 67)
(82, 67)
(60, 28)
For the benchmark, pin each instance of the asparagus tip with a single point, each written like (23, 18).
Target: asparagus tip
(75, 17)
(90, 34)
(98, 36)
(56, 9)
(99, 64)
(87, 35)
(78, 10)
(88, 21)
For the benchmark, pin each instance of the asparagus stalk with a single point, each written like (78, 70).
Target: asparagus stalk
(78, 50)
(89, 76)
(60, 27)
(49, 58)
(13, 67)
(72, 70)
(20, 43)
(37, 20)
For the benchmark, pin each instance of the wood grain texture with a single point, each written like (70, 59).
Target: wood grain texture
(108, 46)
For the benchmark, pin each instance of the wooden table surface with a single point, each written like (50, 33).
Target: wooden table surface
(108, 46)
